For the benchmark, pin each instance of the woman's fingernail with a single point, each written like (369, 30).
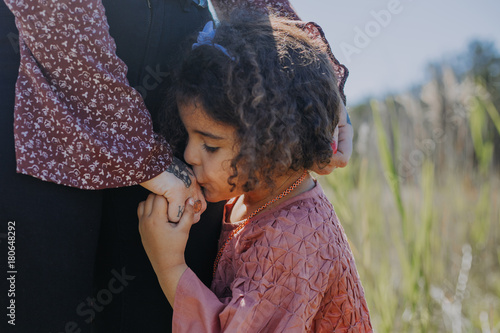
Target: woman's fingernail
(197, 206)
(334, 147)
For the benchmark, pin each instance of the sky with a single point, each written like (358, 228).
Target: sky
(386, 44)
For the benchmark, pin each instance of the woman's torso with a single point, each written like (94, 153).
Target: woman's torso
(151, 37)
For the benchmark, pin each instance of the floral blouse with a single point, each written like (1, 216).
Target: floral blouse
(77, 121)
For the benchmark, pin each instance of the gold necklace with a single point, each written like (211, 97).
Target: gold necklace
(261, 208)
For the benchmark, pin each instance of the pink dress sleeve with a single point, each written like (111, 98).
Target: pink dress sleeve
(196, 308)
(283, 7)
(77, 122)
(272, 306)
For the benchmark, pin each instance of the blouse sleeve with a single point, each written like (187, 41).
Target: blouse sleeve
(278, 288)
(284, 8)
(77, 121)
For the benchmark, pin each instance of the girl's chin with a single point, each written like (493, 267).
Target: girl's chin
(207, 195)
(213, 197)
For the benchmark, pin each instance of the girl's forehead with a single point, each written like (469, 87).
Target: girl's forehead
(194, 113)
(195, 119)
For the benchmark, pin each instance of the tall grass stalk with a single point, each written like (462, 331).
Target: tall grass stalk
(482, 146)
(388, 162)
(427, 248)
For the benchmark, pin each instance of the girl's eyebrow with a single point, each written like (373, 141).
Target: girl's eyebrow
(210, 135)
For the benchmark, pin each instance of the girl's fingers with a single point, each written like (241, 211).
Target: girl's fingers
(187, 218)
(160, 207)
(140, 209)
(175, 211)
(148, 205)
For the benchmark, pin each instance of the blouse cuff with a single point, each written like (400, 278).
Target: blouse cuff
(196, 308)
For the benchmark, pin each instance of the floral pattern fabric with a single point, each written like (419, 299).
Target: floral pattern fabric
(77, 121)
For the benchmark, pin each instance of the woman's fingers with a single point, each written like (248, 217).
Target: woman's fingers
(200, 205)
(345, 134)
(344, 151)
(177, 184)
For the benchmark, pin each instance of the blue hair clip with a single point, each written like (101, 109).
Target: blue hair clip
(206, 37)
(201, 3)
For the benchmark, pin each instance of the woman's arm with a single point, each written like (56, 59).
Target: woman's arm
(77, 121)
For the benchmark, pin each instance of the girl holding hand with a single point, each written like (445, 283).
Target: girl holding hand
(256, 107)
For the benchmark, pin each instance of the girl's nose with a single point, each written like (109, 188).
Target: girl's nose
(190, 155)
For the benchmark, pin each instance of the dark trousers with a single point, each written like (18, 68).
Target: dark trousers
(79, 265)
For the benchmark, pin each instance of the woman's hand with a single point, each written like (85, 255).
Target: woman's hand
(344, 144)
(177, 184)
(164, 241)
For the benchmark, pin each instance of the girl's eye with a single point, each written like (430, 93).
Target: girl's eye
(210, 149)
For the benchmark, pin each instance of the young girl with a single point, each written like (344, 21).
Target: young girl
(258, 101)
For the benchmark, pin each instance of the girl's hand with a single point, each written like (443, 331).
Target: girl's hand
(163, 240)
(344, 144)
(177, 184)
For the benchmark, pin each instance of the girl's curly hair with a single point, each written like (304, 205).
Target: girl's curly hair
(279, 92)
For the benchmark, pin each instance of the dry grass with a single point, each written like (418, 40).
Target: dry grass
(420, 203)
